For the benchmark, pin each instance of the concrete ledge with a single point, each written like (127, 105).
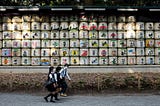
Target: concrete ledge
(83, 69)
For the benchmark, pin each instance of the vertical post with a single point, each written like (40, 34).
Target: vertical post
(10, 81)
(139, 81)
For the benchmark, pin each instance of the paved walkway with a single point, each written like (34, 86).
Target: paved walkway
(15, 99)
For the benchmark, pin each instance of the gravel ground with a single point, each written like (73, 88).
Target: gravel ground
(22, 99)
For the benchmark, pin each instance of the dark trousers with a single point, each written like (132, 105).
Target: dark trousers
(64, 86)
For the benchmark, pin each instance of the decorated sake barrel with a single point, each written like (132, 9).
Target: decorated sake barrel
(26, 35)
(26, 61)
(64, 26)
(121, 26)
(16, 26)
(131, 51)
(74, 43)
(64, 34)
(112, 19)
(122, 43)
(122, 60)
(54, 18)
(35, 26)
(35, 61)
(102, 26)
(64, 43)
(157, 60)
(83, 34)
(93, 52)
(93, 43)
(83, 18)
(35, 44)
(45, 52)
(149, 26)
(140, 43)
(35, 18)
(141, 60)
(35, 34)
(122, 52)
(45, 34)
(93, 60)
(64, 52)
(131, 43)
(55, 52)
(65, 60)
(16, 61)
(74, 52)
(25, 52)
(83, 26)
(7, 35)
(6, 52)
(112, 26)
(113, 52)
(103, 34)
(140, 51)
(150, 60)
(54, 26)
(122, 19)
(45, 26)
(112, 35)
(6, 61)
(74, 60)
(157, 34)
(7, 26)
(64, 18)
(26, 43)
(44, 19)
(83, 43)
(73, 25)
(7, 19)
(16, 19)
(140, 26)
(26, 18)
(140, 34)
(130, 26)
(103, 52)
(131, 34)
(55, 34)
(149, 34)
(45, 43)
(45, 61)
(84, 52)
(73, 18)
(73, 34)
(122, 35)
(93, 34)
(26, 26)
(157, 26)
(35, 52)
(103, 60)
(103, 43)
(55, 61)
(16, 52)
(92, 18)
(102, 18)
(157, 51)
(84, 61)
(92, 26)
(131, 19)
(16, 43)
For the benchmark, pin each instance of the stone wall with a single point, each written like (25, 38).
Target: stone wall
(84, 79)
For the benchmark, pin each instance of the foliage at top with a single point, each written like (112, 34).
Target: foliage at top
(80, 2)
